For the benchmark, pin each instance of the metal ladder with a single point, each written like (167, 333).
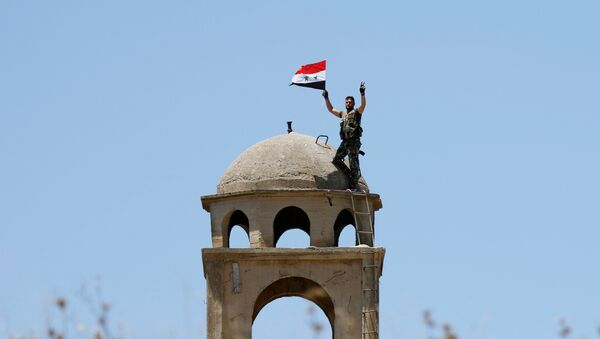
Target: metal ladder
(358, 218)
(370, 316)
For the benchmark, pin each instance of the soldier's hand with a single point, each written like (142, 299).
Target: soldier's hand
(362, 88)
(325, 94)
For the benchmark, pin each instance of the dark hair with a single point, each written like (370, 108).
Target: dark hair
(350, 97)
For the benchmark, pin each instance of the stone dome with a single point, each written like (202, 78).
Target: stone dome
(291, 161)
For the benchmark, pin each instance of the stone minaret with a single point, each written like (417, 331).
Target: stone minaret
(279, 184)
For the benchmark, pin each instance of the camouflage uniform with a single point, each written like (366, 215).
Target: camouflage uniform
(350, 133)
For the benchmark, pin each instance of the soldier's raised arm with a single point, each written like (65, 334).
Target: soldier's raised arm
(329, 106)
(363, 99)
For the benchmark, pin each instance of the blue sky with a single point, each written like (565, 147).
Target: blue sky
(481, 133)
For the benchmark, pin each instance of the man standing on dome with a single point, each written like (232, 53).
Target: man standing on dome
(350, 133)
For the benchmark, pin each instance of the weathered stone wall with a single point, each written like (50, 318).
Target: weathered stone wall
(321, 207)
(347, 277)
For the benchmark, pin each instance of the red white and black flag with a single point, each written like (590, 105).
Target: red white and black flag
(311, 75)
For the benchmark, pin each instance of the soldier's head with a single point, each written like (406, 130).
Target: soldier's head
(349, 103)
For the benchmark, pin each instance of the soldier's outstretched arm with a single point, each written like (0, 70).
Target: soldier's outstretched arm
(329, 106)
(363, 99)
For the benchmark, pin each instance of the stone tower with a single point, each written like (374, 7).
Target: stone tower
(288, 182)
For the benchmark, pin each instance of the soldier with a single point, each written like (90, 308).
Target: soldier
(350, 133)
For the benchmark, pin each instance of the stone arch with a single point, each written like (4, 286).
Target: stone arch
(235, 218)
(288, 218)
(344, 218)
(297, 287)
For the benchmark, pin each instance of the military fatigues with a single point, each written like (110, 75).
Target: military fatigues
(350, 133)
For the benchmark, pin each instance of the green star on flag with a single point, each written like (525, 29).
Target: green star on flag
(311, 75)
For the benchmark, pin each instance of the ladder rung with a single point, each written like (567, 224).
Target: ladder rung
(370, 332)
(370, 311)
(369, 289)
(370, 266)
(360, 213)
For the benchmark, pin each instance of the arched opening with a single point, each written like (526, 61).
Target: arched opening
(296, 287)
(293, 238)
(238, 218)
(238, 237)
(344, 219)
(291, 317)
(290, 218)
(347, 237)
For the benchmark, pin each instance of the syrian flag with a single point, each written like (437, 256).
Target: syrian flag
(311, 75)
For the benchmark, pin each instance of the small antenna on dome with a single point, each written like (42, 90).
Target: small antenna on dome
(289, 127)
